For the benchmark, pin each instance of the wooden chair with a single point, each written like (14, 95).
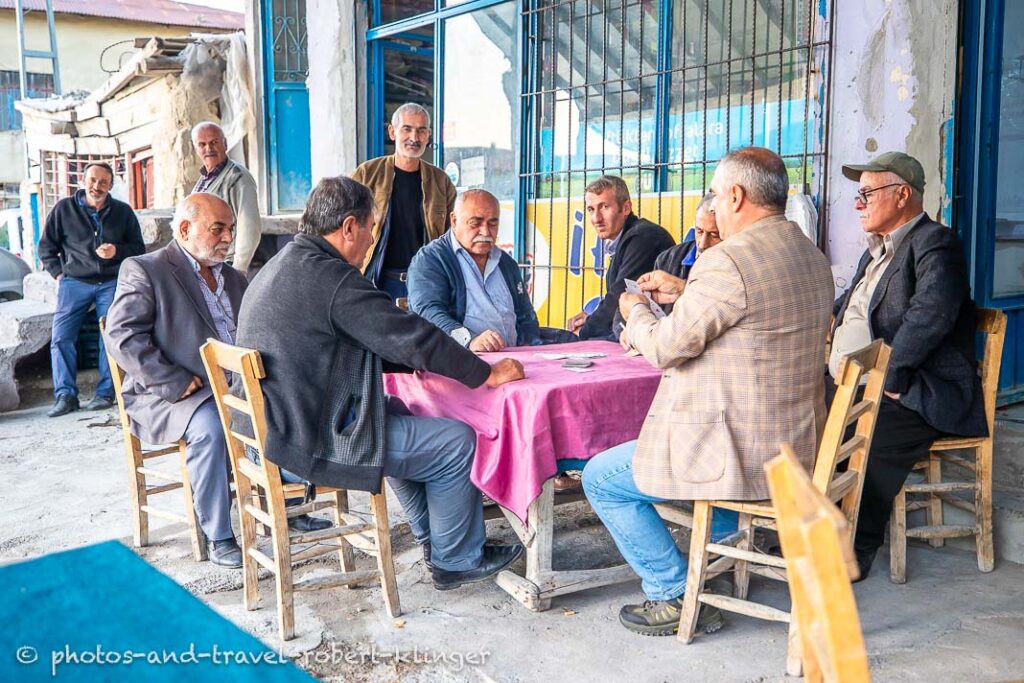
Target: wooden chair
(933, 493)
(140, 468)
(844, 488)
(817, 546)
(373, 537)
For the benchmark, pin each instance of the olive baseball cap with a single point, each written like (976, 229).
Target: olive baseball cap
(903, 165)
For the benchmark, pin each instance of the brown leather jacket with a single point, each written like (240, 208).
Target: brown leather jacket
(438, 196)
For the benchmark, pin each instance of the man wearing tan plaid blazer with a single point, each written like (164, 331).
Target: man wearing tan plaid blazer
(741, 353)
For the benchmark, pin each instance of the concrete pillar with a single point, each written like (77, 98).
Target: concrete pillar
(893, 85)
(336, 96)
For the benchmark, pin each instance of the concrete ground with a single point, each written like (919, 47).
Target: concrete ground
(947, 623)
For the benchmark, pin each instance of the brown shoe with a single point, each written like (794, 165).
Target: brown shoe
(568, 482)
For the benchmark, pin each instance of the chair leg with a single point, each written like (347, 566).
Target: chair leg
(741, 568)
(194, 527)
(700, 536)
(983, 506)
(283, 575)
(140, 518)
(250, 568)
(794, 650)
(898, 539)
(385, 563)
(345, 555)
(933, 475)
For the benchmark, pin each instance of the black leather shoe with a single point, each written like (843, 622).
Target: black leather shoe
(225, 553)
(65, 404)
(307, 523)
(100, 403)
(864, 560)
(426, 555)
(496, 558)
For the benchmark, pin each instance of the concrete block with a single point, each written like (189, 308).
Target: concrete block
(40, 287)
(156, 227)
(24, 329)
(281, 224)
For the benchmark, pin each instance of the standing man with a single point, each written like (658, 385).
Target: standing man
(325, 334)
(230, 181)
(911, 290)
(741, 354)
(633, 243)
(85, 240)
(413, 198)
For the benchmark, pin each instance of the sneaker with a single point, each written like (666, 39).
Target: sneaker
(661, 617)
(65, 404)
(100, 403)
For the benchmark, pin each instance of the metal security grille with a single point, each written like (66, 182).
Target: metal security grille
(657, 91)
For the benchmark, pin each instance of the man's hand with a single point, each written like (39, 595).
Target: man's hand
(627, 301)
(664, 288)
(624, 341)
(893, 396)
(504, 371)
(486, 342)
(106, 251)
(60, 276)
(577, 321)
(195, 385)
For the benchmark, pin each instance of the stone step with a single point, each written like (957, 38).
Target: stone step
(24, 329)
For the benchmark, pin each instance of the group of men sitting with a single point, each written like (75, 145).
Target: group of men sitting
(750, 306)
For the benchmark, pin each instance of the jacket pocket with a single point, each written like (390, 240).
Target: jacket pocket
(700, 445)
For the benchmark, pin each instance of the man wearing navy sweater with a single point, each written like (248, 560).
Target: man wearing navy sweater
(85, 240)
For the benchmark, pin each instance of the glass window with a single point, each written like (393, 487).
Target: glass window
(480, 130)
(395, 10)
(1008, 275)
(408, 69)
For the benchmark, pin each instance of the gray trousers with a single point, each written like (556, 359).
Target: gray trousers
(427, 461)
(206, 456)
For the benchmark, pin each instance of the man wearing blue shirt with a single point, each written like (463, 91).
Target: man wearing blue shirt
(468, 286)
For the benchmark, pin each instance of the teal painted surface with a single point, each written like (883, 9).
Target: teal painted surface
(292, 177)
(65, 613)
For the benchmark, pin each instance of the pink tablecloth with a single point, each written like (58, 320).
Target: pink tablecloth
(523, 427)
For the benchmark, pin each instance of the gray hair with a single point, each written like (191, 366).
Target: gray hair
(206, 124)
(705, 204)
(473, 192)
(609, 182)
(331, 202)
(412, 109)
(761, 173)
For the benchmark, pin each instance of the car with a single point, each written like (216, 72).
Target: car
(12, 271)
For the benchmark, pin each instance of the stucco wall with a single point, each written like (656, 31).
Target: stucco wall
(893, 89)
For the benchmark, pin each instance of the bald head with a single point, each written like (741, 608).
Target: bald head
(475, 223)
(204, 226)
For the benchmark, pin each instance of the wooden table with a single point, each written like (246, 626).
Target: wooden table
(517, 470)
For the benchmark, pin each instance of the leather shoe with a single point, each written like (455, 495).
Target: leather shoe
(864, 560)
(225, 553)
(307, 523)
(66, 403)
(426, 555)
(100, 403)
(495, 559)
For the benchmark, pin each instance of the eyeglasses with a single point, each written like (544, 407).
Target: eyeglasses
(863, 195)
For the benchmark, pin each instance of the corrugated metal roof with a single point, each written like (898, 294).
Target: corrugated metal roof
(146, 11)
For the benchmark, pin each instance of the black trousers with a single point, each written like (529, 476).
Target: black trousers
(901, 439)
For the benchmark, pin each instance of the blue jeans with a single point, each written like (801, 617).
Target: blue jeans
(74, 298)
(634, 524)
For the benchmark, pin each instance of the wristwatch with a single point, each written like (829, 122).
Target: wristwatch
(462, 335)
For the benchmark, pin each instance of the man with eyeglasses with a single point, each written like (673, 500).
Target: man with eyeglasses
(910, 290)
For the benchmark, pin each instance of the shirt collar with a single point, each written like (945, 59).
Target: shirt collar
(80, 196)
(215, 172)
(891, 241)
(691, 256)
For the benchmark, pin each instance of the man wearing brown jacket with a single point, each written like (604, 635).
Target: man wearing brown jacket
(414, 200)
(741, 354)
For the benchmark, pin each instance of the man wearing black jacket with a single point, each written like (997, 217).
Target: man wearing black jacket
(634, 243)
(677, 260)
(85, 239)
(325, 334)
(911, 290)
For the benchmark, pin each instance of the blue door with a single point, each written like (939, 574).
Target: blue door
(286, 66)
(990, 194)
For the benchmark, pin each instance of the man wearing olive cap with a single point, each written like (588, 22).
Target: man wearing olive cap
(911, 290)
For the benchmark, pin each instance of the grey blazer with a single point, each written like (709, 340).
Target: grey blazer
(155, 326)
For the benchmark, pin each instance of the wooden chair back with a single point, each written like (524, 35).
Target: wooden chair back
(817, 547)
(991, 323)
(839, 443)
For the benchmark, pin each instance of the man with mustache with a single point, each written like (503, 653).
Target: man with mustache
(468, 286)
(230, 181)
(86, 238)
(413, 199)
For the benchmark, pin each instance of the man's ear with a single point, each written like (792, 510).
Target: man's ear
(627, 206)
(391, 132)
(184, 228)
(737, 197)
(349, 228)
